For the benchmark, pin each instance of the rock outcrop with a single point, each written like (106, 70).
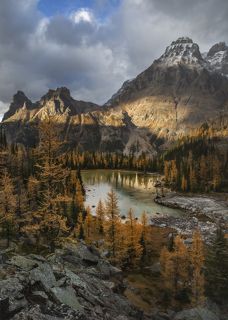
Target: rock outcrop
(73, 283)
(217, 58)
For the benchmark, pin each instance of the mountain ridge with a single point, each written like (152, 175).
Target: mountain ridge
(178, 93)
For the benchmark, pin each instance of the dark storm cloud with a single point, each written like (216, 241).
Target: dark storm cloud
(93, 56)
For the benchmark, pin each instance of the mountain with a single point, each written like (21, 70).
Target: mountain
(217, 58)
(179, 92)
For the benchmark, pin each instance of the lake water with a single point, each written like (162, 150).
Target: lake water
(134, 190)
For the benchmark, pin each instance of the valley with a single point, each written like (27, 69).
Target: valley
(119, 211)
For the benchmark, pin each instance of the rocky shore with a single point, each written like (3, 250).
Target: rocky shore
(202, 212)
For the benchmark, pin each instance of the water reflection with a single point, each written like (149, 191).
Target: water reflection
(134, 190)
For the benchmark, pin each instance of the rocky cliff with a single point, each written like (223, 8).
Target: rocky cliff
(179, 92)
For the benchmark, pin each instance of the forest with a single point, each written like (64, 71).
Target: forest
(42, 207)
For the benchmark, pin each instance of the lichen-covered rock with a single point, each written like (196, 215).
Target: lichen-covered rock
(53, 288)
(196, 314)
(43, 275)
(23, 262)
(66, 296)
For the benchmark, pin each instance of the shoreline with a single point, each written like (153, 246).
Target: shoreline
(124, 170)
(202, 212)
(208, 205)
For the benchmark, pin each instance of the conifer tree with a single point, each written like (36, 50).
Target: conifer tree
(167, 270)
(100, 214)
(132, 246)
(197, 262)
(184, 184)
(175, 269)
(89, 227)
(217, 268)
(144, 236)
(48, 222)
(113, 226)
(79, 228)
(8, 219)
(216, 180)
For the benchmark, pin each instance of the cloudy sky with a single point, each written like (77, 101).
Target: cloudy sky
(92, 46)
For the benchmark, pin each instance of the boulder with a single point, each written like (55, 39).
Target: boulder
(196, 314)
(43, 275)
(39, 297)
(107, 270)
(75, 280)
(37, 257)
(10, 287)
(23, 263)
(109, 284)
(67, 297)
(87, 255)
(79, 253)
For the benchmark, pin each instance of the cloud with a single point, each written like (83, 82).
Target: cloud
(82, 15)
(93, 54)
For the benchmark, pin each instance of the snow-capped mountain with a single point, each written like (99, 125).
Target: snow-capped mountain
(184, 51)
(179, 92)
(217, 58)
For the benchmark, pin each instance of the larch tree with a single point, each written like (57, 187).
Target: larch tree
(175, 269)
(48, 222)
(8, 219)
(79, 228)
(197, 263)
(89, 225)
(144, 236)
(132, 246)
(216, 174)
(113, 226)
(217, 267)
(100, 216)
(167, 271)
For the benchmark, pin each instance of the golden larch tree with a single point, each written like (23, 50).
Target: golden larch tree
(197, 262)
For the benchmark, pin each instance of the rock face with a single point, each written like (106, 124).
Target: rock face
(60, 287)
(183, 50)
(217, 58)
(179, 92)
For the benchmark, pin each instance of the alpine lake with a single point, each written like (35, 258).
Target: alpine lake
(134, 190)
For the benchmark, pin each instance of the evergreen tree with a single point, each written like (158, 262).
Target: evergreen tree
(100, 215)
(132, 246)
(8, 219)
(217, 268)
(197, 261)
(79, 228)
(113, 226)
(144, 237)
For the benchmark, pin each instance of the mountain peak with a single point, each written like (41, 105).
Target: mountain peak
(20, 97)
(217, 58)
(182, 51)
(181, 40)
(20, 100)
(61, 92)
(220, 46)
